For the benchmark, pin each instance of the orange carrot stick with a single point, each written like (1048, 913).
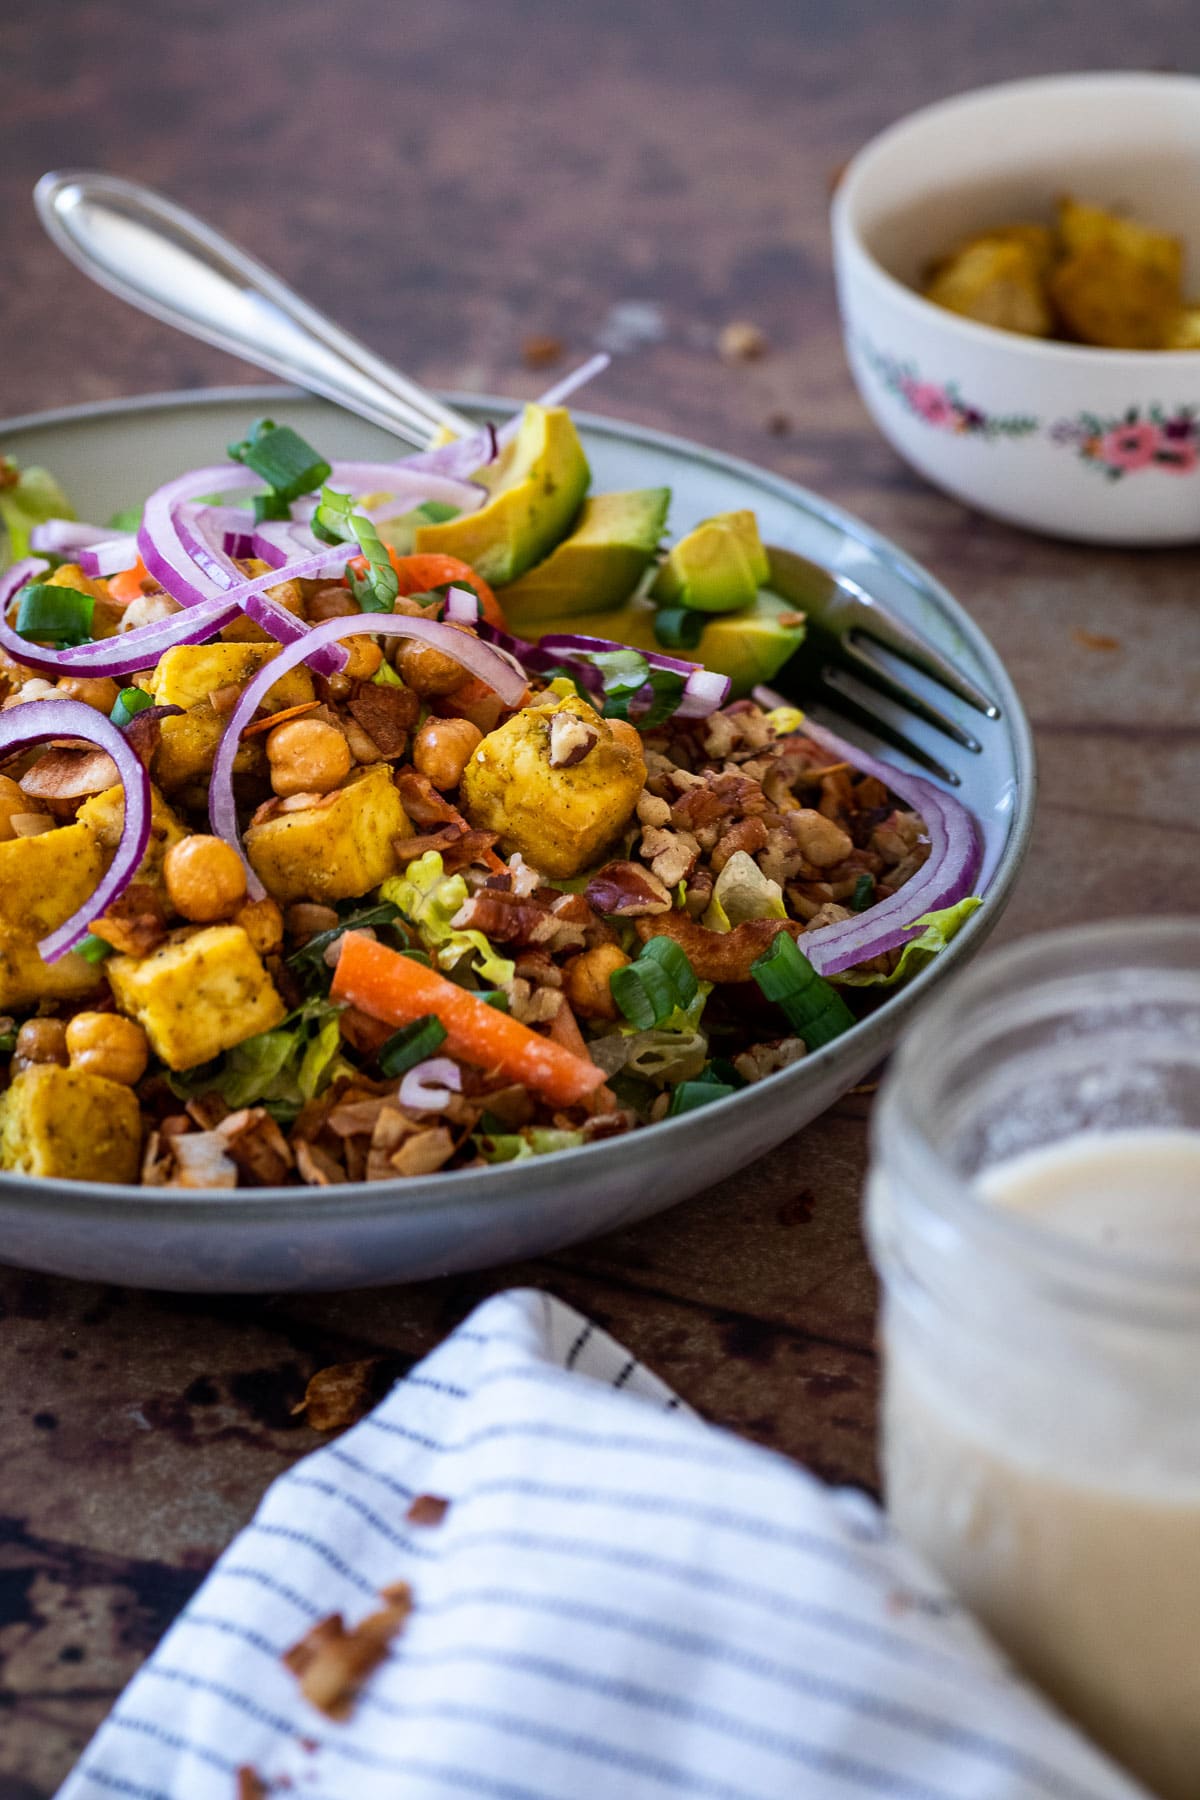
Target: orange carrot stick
(280, 718)
(397, 989)
(127, 585)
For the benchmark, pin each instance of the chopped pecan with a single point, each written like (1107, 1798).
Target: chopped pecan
(699, 892)
(829, 914)
(134, 924)
(765, 1059)
(571, 739)
(749, 835)
(386, 714)
(538, 968)
(427, 1509)
(506, 918)
(671, 854)
(257, 1145)
(651, 810)
(720, 956)
(626, 890)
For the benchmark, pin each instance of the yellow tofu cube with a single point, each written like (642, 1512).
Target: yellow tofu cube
(25, 978)
(44, 879)
(198, 994)
(996, 280)
(336, 850)
(189, 673)
(105, 815)
(68, 1124)
(1120, 282)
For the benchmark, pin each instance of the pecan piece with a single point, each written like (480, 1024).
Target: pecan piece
(571, 739)
(626, 890)
(671, 854)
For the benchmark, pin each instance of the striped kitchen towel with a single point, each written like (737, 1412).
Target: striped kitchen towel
(618, 1603)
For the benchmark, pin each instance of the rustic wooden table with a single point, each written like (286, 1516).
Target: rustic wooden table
(450, 181)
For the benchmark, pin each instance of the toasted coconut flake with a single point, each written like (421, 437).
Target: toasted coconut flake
(427, 1509)
(331, 1663)
(343, 1393)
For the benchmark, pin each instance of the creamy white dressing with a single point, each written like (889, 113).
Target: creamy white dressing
(1086, 1568)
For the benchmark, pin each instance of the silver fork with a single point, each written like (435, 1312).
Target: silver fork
(163, 259)
(846, 631)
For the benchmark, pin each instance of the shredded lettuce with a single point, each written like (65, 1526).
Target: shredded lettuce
(743, 892)
(429, 899)
(786, 719)
(940, 927)
(30, 500)
(279, 1069)
(516, 1146)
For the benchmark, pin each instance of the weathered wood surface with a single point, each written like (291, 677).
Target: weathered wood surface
(449, 180)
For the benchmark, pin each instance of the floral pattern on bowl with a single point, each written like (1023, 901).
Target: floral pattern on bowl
(939, 403)
(1145, 438)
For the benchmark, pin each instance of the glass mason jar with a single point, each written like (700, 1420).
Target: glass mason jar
(1041, 1426)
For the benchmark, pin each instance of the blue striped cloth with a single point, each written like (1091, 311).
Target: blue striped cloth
(621, 1603)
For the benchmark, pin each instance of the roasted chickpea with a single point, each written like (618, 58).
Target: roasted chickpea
(306, 917)
(205, 877)
(307, 756)
(98, 691)
(12, 801)
(109, 1045)
(363, 657)
(333, 602)
(627, 734)
(427, 671)
(36, 688)
(262, 922)
(586, 981)
(41, 1041)
(442, 749)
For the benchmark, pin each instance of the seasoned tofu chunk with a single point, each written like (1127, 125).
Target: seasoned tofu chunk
(557, 782)
(336, 849)
(1120, 284)
(105, 815)
(66, 1123)
(189, 673)
(198, 994)
(185, 754)
(43, 880)
(289, 594)
(997, 280)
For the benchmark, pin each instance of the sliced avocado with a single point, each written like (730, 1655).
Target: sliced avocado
(537, 485)
(601, 562)
(749, 646)
(718, 567)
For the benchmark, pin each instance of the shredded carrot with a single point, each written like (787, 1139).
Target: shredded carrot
(564, 1031)
(422, 574)
(280, 718)
(397, 989)
(127, 585)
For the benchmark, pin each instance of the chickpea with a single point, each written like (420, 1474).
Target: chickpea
(427, 671)
(109, 1045)
(443, 748)
(306, 917)
(262, 921)
(41, 1041)
(98, 691)
(205, 877)
(363, 657)
(307, 756)
(627, 734)
(586, 981)
(12, 801)
(333, 602)
(36, 688)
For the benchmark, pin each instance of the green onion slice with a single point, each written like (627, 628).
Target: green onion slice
(59, 615)
(815, 1010)
(679, 627)
(93, 949)
(650, 989)
(411, 1045)
(337, 522)
(288, 465)
(691, 1094)
(130, 700)
(864, 893)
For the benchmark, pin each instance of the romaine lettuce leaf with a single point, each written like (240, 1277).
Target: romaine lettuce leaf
(279, 1069)
(743, 892)
(429, 899)
(940, 927)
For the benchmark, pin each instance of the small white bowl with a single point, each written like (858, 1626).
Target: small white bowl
(1099, 445)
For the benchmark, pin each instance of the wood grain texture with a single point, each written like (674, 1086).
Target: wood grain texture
(448, 180)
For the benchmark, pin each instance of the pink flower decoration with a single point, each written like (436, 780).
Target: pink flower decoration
(1130, 446)
(1179, 459)
(929, 400)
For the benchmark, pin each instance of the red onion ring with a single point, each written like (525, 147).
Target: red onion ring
(945, 878)
(405, 482)
(63, 537)
(124, 654)
(428, 1085)
(476, 657)
(23, 726)
(704, 691)
(560, 391)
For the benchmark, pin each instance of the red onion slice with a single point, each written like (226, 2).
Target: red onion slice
(459, 459)
(23, 726)
(110, 556)
(704, 691)
(477, 658)
(409, 484)
(63, 537)
(560, 391)
(945, 878)
(121, 655)
(428, 1085)
(462, 606)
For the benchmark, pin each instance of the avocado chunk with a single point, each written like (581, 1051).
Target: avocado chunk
(601, 562)
(718, 567)
(749, 646)
(536, 485)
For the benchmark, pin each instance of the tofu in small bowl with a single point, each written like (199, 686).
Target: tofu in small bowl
(982, 246)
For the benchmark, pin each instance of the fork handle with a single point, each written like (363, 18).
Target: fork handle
(172, 265)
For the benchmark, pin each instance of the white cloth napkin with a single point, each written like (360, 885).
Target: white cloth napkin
(621, 1603)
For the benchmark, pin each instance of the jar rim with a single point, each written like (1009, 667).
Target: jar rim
(1073, 1264)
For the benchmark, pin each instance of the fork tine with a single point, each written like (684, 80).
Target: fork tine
(843, 705)
(876, 622)
(875, 675)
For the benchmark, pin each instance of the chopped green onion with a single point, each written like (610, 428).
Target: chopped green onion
(864, 893)
(411, 1045)
(721, 1071)
(93, 949)
(386, 676)
(271, 506)
(309, 959)
(494, 997)
(130, 700)
(679, 627)
(59, 615)
(691, 1094)
(814, 1009)
(650, 989)
(624, 673)
(288, 465)
(667, 686)
(337, 522)
(8, 1043)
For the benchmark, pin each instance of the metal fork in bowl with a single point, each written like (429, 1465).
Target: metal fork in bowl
(161, 258)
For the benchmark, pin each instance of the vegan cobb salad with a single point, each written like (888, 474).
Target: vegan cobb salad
(365, 820)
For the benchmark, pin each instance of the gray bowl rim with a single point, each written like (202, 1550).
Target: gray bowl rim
(257, 1206)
